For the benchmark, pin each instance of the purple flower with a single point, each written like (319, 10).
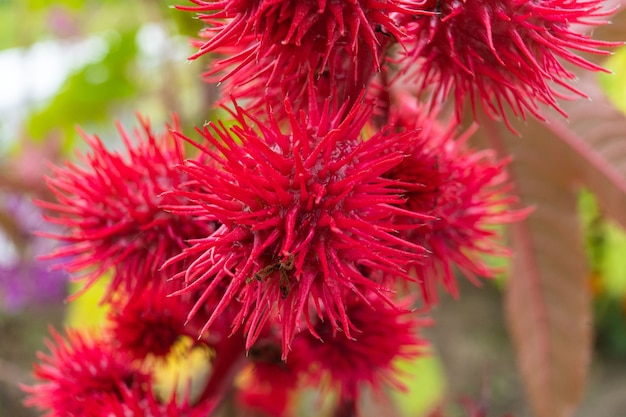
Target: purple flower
(25, 280)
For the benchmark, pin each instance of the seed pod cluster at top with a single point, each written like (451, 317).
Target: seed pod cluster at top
(492, 54)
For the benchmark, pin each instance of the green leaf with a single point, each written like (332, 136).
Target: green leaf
(613, 265)
(425, 383)
(43, 4)
(90, 93)
(615, 84)
(13, 32)
(86, 311)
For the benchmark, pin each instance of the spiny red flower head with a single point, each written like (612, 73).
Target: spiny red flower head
(80, 376)
(502, 53)
(300, 214)
(149, 324)
(380, 335)
(466, 192)
(110, 209)
(304, 86)
(293, 33)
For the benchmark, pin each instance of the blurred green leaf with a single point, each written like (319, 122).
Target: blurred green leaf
(89, 93)
(611, 326)
(87, 311)
(593, 227)
(185, 22)
(19, 26)
(425, 386)
(613, 265)
(42, 4)
(615, 84)
(606, 246)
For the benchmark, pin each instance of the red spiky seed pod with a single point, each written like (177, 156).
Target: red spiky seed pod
(381, 334)
(150, 324)
(468, 194)
(300, 214)
(110, 210)
(80, 376)
(502, 53)
(305, 87)
(295, 33)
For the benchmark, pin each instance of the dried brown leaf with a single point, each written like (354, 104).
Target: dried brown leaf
(547, 302)
(596, 138)
(547, 299)
(548, 305)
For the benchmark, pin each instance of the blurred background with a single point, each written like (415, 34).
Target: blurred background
(66, 63)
